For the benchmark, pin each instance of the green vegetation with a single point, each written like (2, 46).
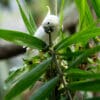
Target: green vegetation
(62, 71)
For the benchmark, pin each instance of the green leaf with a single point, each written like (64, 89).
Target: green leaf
(21, 38)
(25, 19)
(85, 54)
(96, 5)
(61, 18)
(85, 18)
(79, 37)
(61, 12)
(15, 74)
(90, 85)
(32, 22)
(94, 98)
(45, 90)
(31, 19)
(81, 74)
(28, 79)
(12, 76)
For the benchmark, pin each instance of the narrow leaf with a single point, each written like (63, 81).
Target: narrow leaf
(61, 12)
(85, 18)
(45, 90)
(25, 19)
(85, 54)
(79, 37)
(28, 79)
(14, 75)
(94, 98)
(81, 74)
(21, 38)
(32, 22)
(31, 19)
(96, 5)
(90, 85)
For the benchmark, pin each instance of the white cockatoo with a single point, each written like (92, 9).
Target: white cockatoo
(50, 25)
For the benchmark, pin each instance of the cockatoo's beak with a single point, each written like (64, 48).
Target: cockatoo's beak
(49, 29)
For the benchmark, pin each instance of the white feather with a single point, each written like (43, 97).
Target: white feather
(53, 21)
(40, 33)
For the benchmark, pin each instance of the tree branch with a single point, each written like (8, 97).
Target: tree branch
(8, 50)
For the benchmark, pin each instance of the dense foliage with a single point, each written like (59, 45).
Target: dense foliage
(70, 66)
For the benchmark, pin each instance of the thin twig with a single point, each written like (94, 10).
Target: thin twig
(55, 59)
(61, 75)
(50, 40)
(58, 67)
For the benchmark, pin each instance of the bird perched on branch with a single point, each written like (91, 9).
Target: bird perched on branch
(50, 25)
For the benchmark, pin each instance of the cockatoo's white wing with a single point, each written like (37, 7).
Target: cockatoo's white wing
(40, 33)
(50, 25)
